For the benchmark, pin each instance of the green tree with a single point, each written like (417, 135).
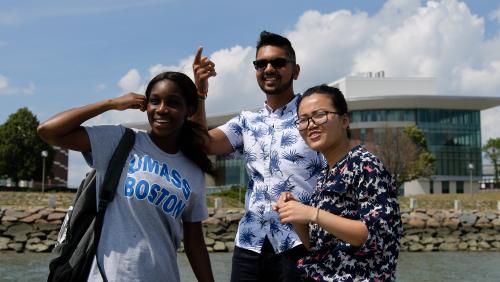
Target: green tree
(492, 152)
(21, 147)
(423, 166)
(404, 152)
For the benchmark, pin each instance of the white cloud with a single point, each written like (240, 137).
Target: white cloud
(4, 82)
(441, 39)
(131, 81)
(495, 15)
(100, 87)
(485, 80)
(7, 89)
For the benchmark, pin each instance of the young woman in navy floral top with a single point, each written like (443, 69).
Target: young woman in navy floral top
(352, 226)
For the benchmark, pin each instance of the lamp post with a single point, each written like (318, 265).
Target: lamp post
(495, 163)
(471, 168)
(44, 155)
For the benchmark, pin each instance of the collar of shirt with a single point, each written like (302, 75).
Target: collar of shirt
(288, 109)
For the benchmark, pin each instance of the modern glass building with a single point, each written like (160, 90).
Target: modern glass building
(451, 125)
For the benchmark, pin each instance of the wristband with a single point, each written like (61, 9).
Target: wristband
(201, 98)
(317, 216)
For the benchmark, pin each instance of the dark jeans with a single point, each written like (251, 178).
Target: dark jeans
(266, 266)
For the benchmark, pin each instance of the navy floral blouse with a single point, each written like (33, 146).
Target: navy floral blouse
(357, 187)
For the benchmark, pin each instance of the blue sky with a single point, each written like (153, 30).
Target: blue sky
(60, 54)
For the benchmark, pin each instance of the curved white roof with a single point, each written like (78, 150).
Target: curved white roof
(422, 101)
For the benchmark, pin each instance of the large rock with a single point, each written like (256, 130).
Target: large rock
(230, 246)
(18, 229)
(483, 222)
(31, 218)
(496, 223)
(415, 247)
(415, 222)
(483, 245)
(18, 247)
(219, 246)
(433, 223)
(412, 238)
(472, 243)
(56, 216)
(38, 247)
(490, 215)
(7, 218)
(452, 239)
(212, 221)
(17, 214)
(4, 243)
(449, 247)
(420, 215)
(209, 241)
(429, 248)
(427, 240)
(463, 246)
(451, 223)
(233, 218)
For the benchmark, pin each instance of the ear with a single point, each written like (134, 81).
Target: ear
(345, 120)
(296, 71)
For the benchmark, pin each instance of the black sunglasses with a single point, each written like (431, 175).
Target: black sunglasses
(276, 63)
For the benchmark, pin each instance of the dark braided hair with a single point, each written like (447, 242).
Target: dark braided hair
(193, 136)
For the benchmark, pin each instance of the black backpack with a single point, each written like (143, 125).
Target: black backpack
(81, 229)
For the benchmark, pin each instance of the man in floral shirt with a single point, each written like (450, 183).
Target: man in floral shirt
(277, 160)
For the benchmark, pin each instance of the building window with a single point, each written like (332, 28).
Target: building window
(460, 187)
(445, 187)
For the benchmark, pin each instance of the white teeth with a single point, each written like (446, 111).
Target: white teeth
(162, 121)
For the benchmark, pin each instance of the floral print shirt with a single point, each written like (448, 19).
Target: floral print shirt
(277, 160)
(357, 187)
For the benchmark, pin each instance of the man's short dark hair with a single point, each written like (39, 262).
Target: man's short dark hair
(272, 39)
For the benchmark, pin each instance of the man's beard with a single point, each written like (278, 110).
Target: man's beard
(280, 89)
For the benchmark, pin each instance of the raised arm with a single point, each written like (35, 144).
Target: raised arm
(203, 69)
(65, 130)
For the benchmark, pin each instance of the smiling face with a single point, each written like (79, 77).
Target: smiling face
(324, 137)
(167, 112)
(272, 80)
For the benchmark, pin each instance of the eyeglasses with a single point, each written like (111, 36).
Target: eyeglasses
(276, 63)
(317, 118)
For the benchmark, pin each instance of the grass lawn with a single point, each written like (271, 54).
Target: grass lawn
(484, 200)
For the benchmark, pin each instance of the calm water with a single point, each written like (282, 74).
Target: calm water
(438, 266)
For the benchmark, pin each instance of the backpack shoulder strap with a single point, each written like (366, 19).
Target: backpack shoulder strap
(108, 188)
(115, 168)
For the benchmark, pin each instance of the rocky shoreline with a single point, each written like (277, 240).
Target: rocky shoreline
(35, 229)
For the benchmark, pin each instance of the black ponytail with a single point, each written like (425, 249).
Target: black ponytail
(192, 143)
(193, 137)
